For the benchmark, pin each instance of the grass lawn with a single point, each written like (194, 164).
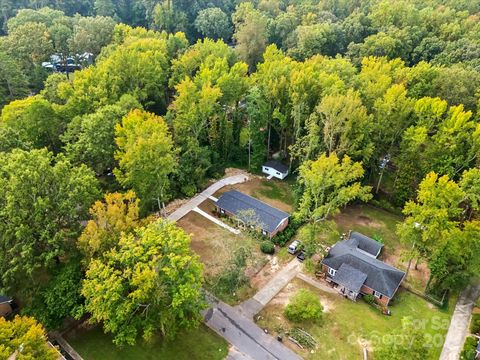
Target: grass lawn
(346, 325)
(373, 222)
(198, 344)
(274, 192)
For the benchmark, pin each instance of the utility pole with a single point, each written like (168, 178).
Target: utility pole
(383, 164)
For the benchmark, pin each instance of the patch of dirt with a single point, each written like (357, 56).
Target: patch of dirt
(259, 279)
(350, 215)
(235, 171)
(174, 205)
(416, 277)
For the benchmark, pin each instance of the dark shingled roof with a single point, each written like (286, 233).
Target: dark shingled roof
(236, 202)
(365, 243)
(277, 166)
(380, 277)
(4, 299)
(349, 277)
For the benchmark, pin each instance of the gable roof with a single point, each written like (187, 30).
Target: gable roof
(235, 202)
(365, 243)
(349, 277)
(381, 277)
(277, 165)
(5, 299)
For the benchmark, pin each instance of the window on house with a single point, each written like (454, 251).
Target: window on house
(377, 294)
(278, 173)
(332, 272)
(222, 211)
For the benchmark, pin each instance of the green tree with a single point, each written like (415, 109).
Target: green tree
(146, 156)
(44, 199)
(213, 23)
(117, 214)
(257, 110)
(250, 34)
(91, 34)
(35, 121)
(328, 184)
(90, 139)
(151, 282)
(60, 298)
(347, 127)
(104, 8)
(304, 306)
(435, 213)
(13, 82)
(25, 338)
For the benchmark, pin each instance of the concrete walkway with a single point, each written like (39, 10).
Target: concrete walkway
(249, 341)
(252, 306)
(318, 284)
(216, 221)
(459, 325)
(204, 195)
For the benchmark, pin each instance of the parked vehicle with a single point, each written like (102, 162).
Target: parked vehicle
(301, 256)
(294, 246)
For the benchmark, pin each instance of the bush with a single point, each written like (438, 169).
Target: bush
(304, 306)
(475, 324)
(468, 352)
(369, 299)
(267, 247)
(378, 238)
(286, 235)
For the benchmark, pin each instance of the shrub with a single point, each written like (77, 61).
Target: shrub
(285, 236)
(267, 247)
(369, 299)
(475, 324)
(378, 238)
(468, 352)
(304, 306)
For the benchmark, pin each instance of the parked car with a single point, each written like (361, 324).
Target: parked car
(301, 256)
(294, 246)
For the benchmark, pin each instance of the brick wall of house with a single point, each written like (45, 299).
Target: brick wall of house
(383, 301)
(280, 228)
(364, 289)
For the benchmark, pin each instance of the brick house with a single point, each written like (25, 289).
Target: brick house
(252, 212)
(352, 265)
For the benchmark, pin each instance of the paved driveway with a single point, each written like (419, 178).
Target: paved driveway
(205, 194)
(458, 330)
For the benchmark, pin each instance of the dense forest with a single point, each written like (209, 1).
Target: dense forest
(180, 90)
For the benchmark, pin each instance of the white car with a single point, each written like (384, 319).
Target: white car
(292, 249)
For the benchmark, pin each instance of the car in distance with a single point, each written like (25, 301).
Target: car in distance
(292, 249)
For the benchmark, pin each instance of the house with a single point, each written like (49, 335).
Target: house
(6, 305)
(352, 265)
(276, 169)
(252, 212)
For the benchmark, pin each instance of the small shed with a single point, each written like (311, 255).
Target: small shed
(275, 169)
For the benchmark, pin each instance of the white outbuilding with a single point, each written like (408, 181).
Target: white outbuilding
(276, 169)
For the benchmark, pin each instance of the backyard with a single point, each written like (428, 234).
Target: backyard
(346, 326)
(198, 344)
(216, 246)
(380, 224)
